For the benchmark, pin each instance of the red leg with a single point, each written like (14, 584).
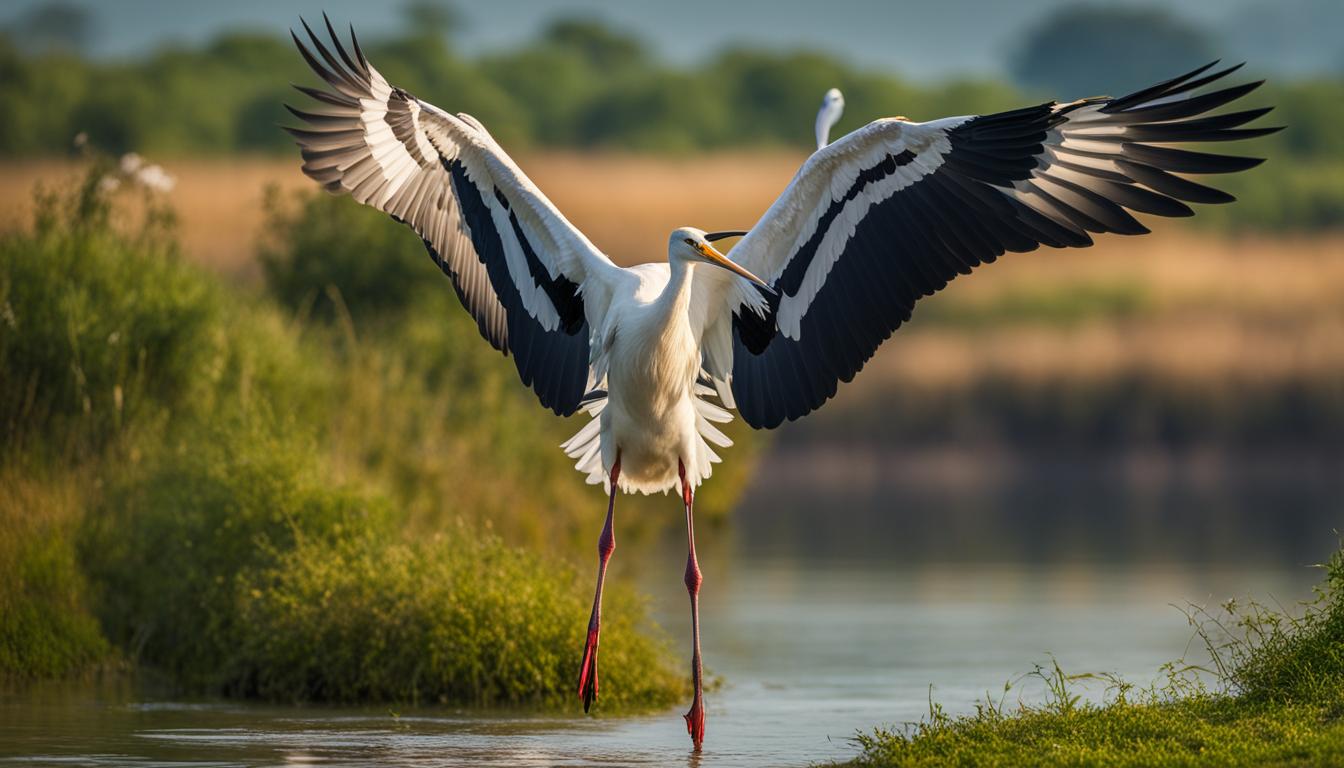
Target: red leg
(606, 544)
(695, 719)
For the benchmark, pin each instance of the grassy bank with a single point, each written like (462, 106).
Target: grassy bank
(310, 494)
(1278, 699)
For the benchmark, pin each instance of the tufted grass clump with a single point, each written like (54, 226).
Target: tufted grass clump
(1275, 658)
(459, 618)
(1278, 700)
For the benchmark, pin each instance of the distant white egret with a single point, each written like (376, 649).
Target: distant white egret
(884, 216)
(832, 107)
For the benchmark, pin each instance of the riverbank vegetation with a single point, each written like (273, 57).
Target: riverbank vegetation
(301, 494)
(582, 85)
(1276, 698)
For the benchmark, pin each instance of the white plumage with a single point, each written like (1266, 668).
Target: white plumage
(832, 107)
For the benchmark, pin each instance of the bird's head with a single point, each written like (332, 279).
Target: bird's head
(693, 245)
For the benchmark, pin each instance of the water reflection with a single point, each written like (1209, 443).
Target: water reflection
(1279, 509)
(831, 604)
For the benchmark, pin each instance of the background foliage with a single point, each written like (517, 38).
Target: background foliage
(582, 84)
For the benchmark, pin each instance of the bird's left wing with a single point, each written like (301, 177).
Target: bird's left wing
(539, 290)
(895, 210)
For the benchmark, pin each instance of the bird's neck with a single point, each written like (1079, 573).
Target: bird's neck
(672, 309)
(676, 296)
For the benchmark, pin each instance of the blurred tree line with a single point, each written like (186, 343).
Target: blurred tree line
(582, 84)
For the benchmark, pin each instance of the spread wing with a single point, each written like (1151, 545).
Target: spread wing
(894, 211)
(536, 286)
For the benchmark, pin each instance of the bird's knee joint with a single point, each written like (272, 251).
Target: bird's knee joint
(693, 578)
(606, 544)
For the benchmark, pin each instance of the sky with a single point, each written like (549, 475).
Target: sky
(918, 39)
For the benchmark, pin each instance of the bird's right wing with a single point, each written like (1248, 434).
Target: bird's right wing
(539, 290)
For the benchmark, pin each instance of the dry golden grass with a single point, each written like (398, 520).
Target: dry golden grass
(626, 204)
(1254, 309)
(219, 202)
(1255, 306)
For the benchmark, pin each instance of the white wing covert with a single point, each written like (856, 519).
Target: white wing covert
(535, 285)
(894, 211)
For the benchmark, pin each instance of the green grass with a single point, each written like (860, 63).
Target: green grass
(1279, 700)
(46, 627)
(261, 501)
(1202, 732)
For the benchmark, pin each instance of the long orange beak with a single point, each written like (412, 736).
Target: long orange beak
(714, 257)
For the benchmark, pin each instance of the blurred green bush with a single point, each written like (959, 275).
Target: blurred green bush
(325, 256)
(99, 325)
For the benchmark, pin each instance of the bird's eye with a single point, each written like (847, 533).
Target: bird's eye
(689, 241)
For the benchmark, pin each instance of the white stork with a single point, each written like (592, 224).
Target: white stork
(870, 224)
(832, 107)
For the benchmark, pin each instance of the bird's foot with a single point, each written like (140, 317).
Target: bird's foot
(588, 674)
(695, 722)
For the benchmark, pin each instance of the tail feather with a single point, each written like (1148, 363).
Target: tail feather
(585, 447)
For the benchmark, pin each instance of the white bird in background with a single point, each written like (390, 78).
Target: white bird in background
(658, 354)
(832, 107)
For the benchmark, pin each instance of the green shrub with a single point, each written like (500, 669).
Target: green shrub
(327, 251)
(107, 339)
(168, 547)
(97, 326)
(233, 565)
(104, 328)
(459, 618)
